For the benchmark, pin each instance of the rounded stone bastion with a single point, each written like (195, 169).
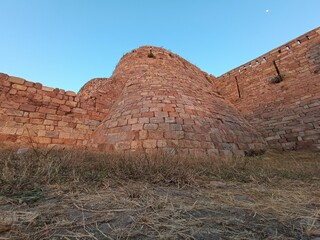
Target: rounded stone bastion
(161, 102)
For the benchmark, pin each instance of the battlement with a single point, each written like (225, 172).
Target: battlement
(279, 92)
(277, 53)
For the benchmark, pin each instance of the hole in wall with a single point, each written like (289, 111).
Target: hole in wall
(279, 51)
(239, 70)
(276, 79)
(257, 62)
(308, 37)
(264, 59)
(299, 42)
(287, 48)
(151, 55)
(279, 77)
(250, 65)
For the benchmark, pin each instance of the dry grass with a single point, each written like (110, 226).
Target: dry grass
(37, 167)
(61, 194)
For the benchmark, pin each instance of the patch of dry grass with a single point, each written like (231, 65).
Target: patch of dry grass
(80, 195)
(40, 167)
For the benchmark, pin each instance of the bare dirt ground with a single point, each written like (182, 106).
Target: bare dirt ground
(280, 200)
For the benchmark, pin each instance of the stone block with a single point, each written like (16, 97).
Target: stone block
(143, 120)
(57, 117)
(175, 127)
(123, 145)
(170, 120)
(132, 120)
(8, 130)
(174, 135)
(47, 89)
(10, 105)
(155, 134)
(122, 122)
(136, 145)
(32, 90)
(71, 103)
(13, 112)
(48, 122)
(52, 134)
(22, 119)
(58, 101)
(37, 115)
(36, 121)
(143, 134)
(79, 110)
(27, 107)
(147, 114)
(64, 135)
(161, 114)
(157, 120)
(13, 91)
(116, 137)
(47, 110)
(42, 140)
(150, 126)
(150, 143)
(161, 143)
(136, 127)
(64, 108)
(70, 93)
(16, 80)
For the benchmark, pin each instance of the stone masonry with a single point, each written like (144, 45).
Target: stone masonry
(279, 93)
(169, 105)
(155, 101)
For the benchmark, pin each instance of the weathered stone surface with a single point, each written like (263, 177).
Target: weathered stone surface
(166, 104)
(154, 92)
(279, 109)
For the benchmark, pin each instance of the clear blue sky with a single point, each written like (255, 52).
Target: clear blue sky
(65, 43)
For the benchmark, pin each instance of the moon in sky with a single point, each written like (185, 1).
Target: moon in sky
(267, 10)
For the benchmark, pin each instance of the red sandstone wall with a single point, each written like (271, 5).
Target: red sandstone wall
(168, 105)
(286, 113)
(30, 112)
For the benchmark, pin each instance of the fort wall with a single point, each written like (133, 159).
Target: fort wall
(156, 100)
(279, 93)
(32, 113)
(169, 105)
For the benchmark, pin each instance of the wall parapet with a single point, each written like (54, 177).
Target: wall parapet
(276, 53)
(280, 95)
(32, 113)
